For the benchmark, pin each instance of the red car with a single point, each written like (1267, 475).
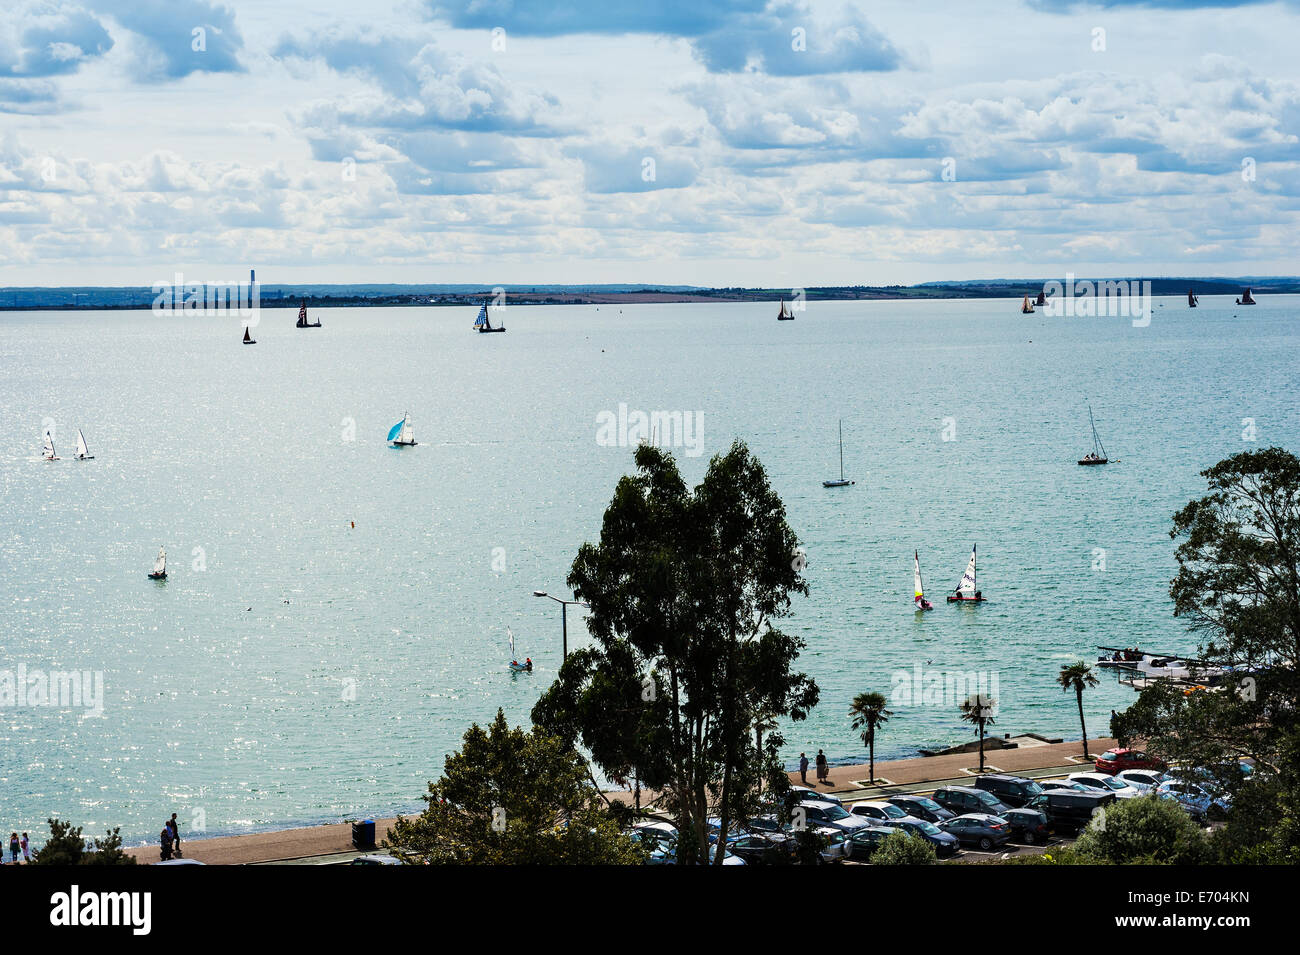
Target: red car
(1116, 760)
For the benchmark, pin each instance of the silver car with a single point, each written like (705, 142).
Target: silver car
(883, 813)
(832, 815)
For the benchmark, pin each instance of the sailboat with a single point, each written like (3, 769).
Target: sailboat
(248, 339)
(966, 591)
(841, 482)
(1192, 300)
(83, 452)
(1098, 453)
(515, 665)
(785, 315)
(1027, 308)
(401, 433)
(159, 571)
(49, 446)
(1245, 299)
(1042, 299)
(921, 602)
(302, 317)
(483, 323)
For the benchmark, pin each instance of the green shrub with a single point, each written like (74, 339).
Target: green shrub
(1146, 830)
(902, 849)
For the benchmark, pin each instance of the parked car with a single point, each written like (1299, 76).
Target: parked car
(1068, 810)
(867, 840)
(773, 848)
(1014, 791)
(1028, 825)
(837, 846)
(966, 799)
(804, 794)
(373, 859)
(1050, 785)
(763, 824)
(945, 843)
(922, 807)
(1193, 797)
(1105, 783)
(832, 815)
(1144, 779)
(882, 813)
(1119, 759)
(979, 829)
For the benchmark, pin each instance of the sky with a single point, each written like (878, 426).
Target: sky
(732, 143)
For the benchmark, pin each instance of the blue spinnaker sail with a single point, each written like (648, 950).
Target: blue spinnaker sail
(397, 429)
(482, 316)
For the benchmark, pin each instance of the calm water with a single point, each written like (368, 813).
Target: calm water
(300, 669)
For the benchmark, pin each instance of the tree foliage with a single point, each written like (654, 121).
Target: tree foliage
(1146, 830)
(901, 849)
(67, 846)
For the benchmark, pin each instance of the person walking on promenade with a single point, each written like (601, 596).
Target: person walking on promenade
(821, 767)
(165, 837)
(176, 834)
(803, 768)
(27, 849)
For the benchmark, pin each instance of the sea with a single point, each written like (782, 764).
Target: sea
(337, 611)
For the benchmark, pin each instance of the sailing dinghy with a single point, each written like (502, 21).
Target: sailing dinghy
(402, 434)
(1027, 307)
(483, 323)
(1042, 299)
(515, 665)
(83, 452)
(248, 339)
(302, 317)
(966, 591)
(1098, 453)
(1192, 300)
(841, 482)
(785, 315)
(921, 602)
(1246, 299)
(49, 446)
(159, 571)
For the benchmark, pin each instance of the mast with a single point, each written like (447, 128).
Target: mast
(1096, 440)
(841, 449)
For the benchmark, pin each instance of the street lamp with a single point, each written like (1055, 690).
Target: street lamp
(564, 616)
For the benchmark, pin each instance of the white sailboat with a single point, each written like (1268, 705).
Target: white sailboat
(841, 482)
(49, 446)
(1098, 453)
(967, 591)
(919, 600)
(83, 452)
(159, 571)
(515, 665)
(401, 434)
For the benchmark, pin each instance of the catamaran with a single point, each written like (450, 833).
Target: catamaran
(401, 433)
(785, 315)
(1098, 453)
(483, 323)
(83, 452)
(841, 482)
(302, 317)
(920, 601)
(248, 339)
(49, 446)
(1027, 307)
(1192, 300)
(515, 665)
(966, 591)
(159, 571)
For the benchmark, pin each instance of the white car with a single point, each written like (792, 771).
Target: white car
(838, 845)
(804, 794)
(1106, 783)
(1144, 780)
(828, 814)
(883, 813)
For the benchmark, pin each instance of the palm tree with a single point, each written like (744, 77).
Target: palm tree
(868, 712)
(1078, 677)
(978, 709)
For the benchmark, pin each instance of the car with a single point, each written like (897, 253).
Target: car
(764, 824)
(922, 807)
(864, 842)
(882, 813)
(1104, 783)
(980, 829)
(1121, 758)
(1053, 784)
(190, 862)
(1014, 791)
(659, 840)
(836, 846)
(945, 843)
(375, 860)
(1069, 810)
(804, 794)
(1144, 779)
(774, 848)
(1028, 825)
(1193, 797)
(961, 800)
(830, 814)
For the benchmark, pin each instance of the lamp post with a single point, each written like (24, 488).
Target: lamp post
(564, 616)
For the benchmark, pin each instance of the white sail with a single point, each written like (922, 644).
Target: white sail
(407, 433)
(49, 444)
(916, 578)
(512, 644)
(967, 585)
(82, 450)
(160, 565)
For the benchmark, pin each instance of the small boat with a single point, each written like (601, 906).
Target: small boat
(248, 339)
(483, 323)
(784, 315)
(1192, 300)
(515, 665)
(841, 482)
(302, 317)
(48, 451)
(159, 571)
(1245, 299)
(1098, 453)
(919, 600)
(966, 591)
(1027, 307)
(83, 452)
(401, 433)
(1042, 299)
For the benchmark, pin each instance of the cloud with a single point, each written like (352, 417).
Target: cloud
(682, 18)
(39, 40)
(176, 38)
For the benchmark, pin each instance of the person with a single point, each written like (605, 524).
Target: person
(821, 766)
(14, 846)
(176, 833)
(27, 849)
(803, 768)
(165, 837)
(528, 662)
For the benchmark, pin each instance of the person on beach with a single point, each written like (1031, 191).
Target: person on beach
(165, 838)
(27, 849)
(176, 833)
(821, 767)
(803, 768)
(14, 847)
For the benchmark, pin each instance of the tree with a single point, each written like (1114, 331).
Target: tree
(978, 709)
(513, 797)
(67, 846)
(1147, 830)
(685, 588)
(868, 712)
(1078, 677)
(899, 848)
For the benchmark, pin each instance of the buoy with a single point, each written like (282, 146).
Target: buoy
(354, 524)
